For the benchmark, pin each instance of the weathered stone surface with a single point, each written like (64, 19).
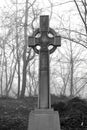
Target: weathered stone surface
(44, 118)
(44, 41)
(41, 119)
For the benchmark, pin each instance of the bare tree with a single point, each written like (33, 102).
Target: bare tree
(82, 9)
(25, 48)
(17, 50)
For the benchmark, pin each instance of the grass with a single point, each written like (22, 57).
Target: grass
(14, 113)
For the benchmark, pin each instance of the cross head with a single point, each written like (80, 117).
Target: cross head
(44, 40)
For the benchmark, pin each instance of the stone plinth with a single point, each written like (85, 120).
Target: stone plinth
(44, 119)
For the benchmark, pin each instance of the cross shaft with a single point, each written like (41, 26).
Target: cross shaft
(44, 41)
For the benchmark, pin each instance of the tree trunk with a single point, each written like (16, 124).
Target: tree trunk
(24, 53)
(17, 50)
(1, 78)
(71, 71)
(6, 77)
(11, 79)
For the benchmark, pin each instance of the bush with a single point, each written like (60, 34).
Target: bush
(73, 113)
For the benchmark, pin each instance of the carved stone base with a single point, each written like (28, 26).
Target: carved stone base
(41, 119)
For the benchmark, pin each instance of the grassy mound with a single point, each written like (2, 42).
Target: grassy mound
(73, 113)
(14, 113)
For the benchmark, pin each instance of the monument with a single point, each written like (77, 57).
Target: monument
(44, 118)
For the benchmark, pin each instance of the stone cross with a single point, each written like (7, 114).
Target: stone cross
(44, 37)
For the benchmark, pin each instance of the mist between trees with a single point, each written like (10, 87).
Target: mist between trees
(19, 63)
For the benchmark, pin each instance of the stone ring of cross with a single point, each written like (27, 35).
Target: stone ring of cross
(39, 38)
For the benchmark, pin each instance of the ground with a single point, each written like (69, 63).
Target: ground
(14, 113)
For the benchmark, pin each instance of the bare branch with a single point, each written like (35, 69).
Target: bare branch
(79, 11)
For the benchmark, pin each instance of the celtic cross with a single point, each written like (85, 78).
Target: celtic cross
(44, 37)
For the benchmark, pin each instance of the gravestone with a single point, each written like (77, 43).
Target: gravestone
(44, 118)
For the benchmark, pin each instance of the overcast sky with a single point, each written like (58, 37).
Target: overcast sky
(64, 12)
(59, 7)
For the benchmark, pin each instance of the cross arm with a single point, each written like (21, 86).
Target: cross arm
(55, 41)
(32, 41)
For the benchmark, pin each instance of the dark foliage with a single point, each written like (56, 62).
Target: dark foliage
(14, 113)
(73, 113)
